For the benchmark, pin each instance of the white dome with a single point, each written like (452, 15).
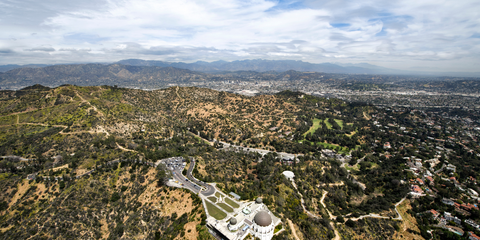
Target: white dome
(289, 174)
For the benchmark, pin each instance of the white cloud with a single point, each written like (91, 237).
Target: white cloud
(398, 34)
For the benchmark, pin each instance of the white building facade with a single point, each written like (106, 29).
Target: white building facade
(263, 226)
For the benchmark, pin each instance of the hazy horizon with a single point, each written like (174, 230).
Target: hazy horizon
(405, 35)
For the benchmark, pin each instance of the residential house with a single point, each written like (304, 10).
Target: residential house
(448, 201)
(434, 213)
(469, 206)
(451, 167)
(430, 179)
(448, 216)
(472, 223)
(420, 181)
(416, 189)
(472, 236)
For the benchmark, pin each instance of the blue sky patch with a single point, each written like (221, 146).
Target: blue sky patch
(475, 35)
(390, 18)
(339, 25)
(381, 33)
(287, 5)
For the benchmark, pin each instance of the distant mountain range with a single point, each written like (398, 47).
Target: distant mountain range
(285, 65)
(4, 68)
(243, 65)
(264, 66)
(97, 74)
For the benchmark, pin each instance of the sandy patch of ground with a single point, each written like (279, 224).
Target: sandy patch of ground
(365, 115)
(6, 228)
(358, 200)
(81, 171)
(49, 152)
(332, 184)
(409, 222)
(175, 202)
(293, 229)
(201, 170)
(41, 188)
(206, 110)
(104, 229)
(22, 188)
(192, 226)
(61, 167)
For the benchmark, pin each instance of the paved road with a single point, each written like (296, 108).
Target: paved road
(209, 189)
(226, 146)
(439, 170)
(178, 176)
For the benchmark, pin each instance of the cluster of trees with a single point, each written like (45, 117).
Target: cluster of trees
(251, 176)
(78, 212)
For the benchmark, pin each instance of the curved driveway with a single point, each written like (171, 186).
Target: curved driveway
(209, 189)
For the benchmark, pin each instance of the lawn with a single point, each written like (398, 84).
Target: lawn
(354, 167)
(232, 203)
(215, 211)
(218, 194)
(315, 126)
(213, 199)
(339, 122)
(225, 207)
(329, 126)
(278, 228)
(345, 150)
(200, 139)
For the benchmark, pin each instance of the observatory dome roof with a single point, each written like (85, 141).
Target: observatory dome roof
(263, 219)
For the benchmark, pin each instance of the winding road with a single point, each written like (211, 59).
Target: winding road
(333, 217)
(209, 189)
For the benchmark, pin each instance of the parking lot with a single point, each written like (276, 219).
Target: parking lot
(176, 165)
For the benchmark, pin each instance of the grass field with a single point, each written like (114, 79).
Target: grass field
(218, 194)
(225, 207)
(200, 139)
(213, 199)
(339, 122)
(278, 228)
(345, 150)
(315, 126)
(215, 211)
(354, 167)
(329, 126)
(232, 203)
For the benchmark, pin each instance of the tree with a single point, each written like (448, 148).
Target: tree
(350, 223)
(161, 175)
(115, 197)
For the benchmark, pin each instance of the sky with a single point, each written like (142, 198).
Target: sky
(429, 35)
